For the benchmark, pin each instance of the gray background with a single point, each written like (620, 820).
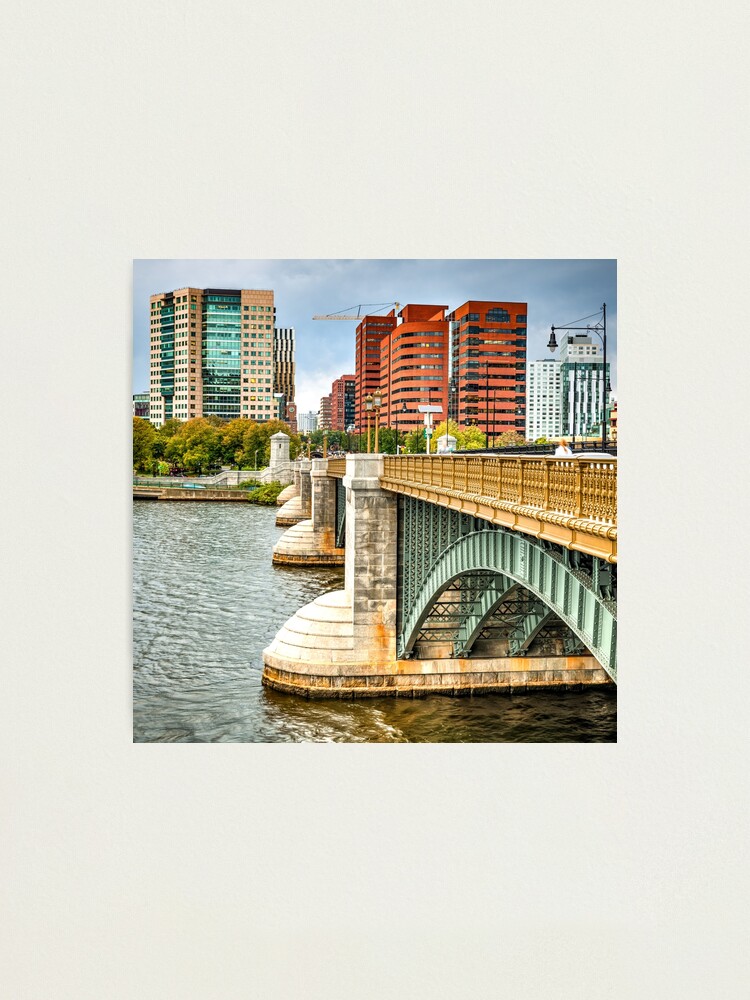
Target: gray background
(397, 130)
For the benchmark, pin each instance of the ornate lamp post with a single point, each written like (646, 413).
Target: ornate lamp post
(377, 402)
(368, 407)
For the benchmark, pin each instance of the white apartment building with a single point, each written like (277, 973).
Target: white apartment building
(582, 389)
(307, 422)
(544, 400)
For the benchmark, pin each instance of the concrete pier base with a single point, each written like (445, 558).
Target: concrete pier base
(288, 493)
(315, 655)
(303, 545)
(291, 513)
(299, 508)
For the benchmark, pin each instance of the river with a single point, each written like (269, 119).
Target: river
(206, 602)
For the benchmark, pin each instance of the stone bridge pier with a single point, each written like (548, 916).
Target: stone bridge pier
(344, 642)
(312, 542)
(299, 507)
(292, 490)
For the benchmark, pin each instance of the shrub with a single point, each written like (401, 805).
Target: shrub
(266, 494)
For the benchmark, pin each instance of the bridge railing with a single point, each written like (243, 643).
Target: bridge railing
(337, 467)
(579, 487)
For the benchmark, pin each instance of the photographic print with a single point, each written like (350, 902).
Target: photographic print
(375, 500)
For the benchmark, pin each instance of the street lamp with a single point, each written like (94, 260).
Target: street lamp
(377, 402)
(600, 329)
(404, 411)
(368, 407)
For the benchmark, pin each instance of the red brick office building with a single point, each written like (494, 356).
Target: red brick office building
(370, 333)
(414, 367)
(488, 353)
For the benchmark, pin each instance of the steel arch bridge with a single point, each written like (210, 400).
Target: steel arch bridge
(440, 548)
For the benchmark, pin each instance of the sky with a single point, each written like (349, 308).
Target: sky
(558, 292)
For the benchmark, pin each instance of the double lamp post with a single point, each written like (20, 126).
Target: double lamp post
(373, 402)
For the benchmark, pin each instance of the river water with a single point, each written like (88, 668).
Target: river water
(206, 602)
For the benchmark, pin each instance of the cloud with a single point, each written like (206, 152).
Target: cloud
(557, 292)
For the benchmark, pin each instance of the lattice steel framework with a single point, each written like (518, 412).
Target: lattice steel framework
(459, 575)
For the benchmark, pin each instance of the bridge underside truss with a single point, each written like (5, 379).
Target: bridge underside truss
(473, 584)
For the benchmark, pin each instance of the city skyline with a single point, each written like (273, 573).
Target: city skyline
(558, 292)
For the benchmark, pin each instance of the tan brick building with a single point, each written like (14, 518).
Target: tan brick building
(212, 353)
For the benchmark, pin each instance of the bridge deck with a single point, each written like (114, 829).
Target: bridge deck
(569, 501)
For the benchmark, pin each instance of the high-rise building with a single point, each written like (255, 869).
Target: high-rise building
(369, 334)
(212, 353)
(488, 366)
(283, 362)
(544, 400)
(414, 367)
(307, 422)
(141, 405)
(582, 389)
(342, 402)
(324, 414)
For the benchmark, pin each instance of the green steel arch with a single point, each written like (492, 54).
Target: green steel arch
(568, 592)
(487, 603)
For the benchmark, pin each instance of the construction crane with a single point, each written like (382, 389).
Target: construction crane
(370, 308)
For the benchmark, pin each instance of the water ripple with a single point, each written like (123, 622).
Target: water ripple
(206, 602)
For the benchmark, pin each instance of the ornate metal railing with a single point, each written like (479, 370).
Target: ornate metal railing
(337, 467)
(579, 487)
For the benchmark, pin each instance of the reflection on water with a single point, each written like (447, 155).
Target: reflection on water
(207, 600)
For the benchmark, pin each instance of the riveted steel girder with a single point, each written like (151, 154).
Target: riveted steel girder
(472, 624)
(531, 626)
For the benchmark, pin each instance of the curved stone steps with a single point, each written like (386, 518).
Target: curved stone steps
(301, 544)
(288, 493)
(291, 513)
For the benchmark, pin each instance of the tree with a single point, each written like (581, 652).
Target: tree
(232, 435)
(510, 438)
(144, 436)
(387, 440)
(414, 442)
(471, 439)
(167, 431)
(196, 447)
(446, 427)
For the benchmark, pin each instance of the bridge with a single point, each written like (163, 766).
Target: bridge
(462, 574)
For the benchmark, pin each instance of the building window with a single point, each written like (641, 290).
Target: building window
(497, 315)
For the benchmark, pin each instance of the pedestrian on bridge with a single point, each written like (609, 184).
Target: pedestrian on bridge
(563, 451)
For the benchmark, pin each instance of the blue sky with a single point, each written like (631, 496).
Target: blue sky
(557, 292)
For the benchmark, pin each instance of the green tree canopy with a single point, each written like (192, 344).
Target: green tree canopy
(471, 439)
(509, 438)
(144, 436)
